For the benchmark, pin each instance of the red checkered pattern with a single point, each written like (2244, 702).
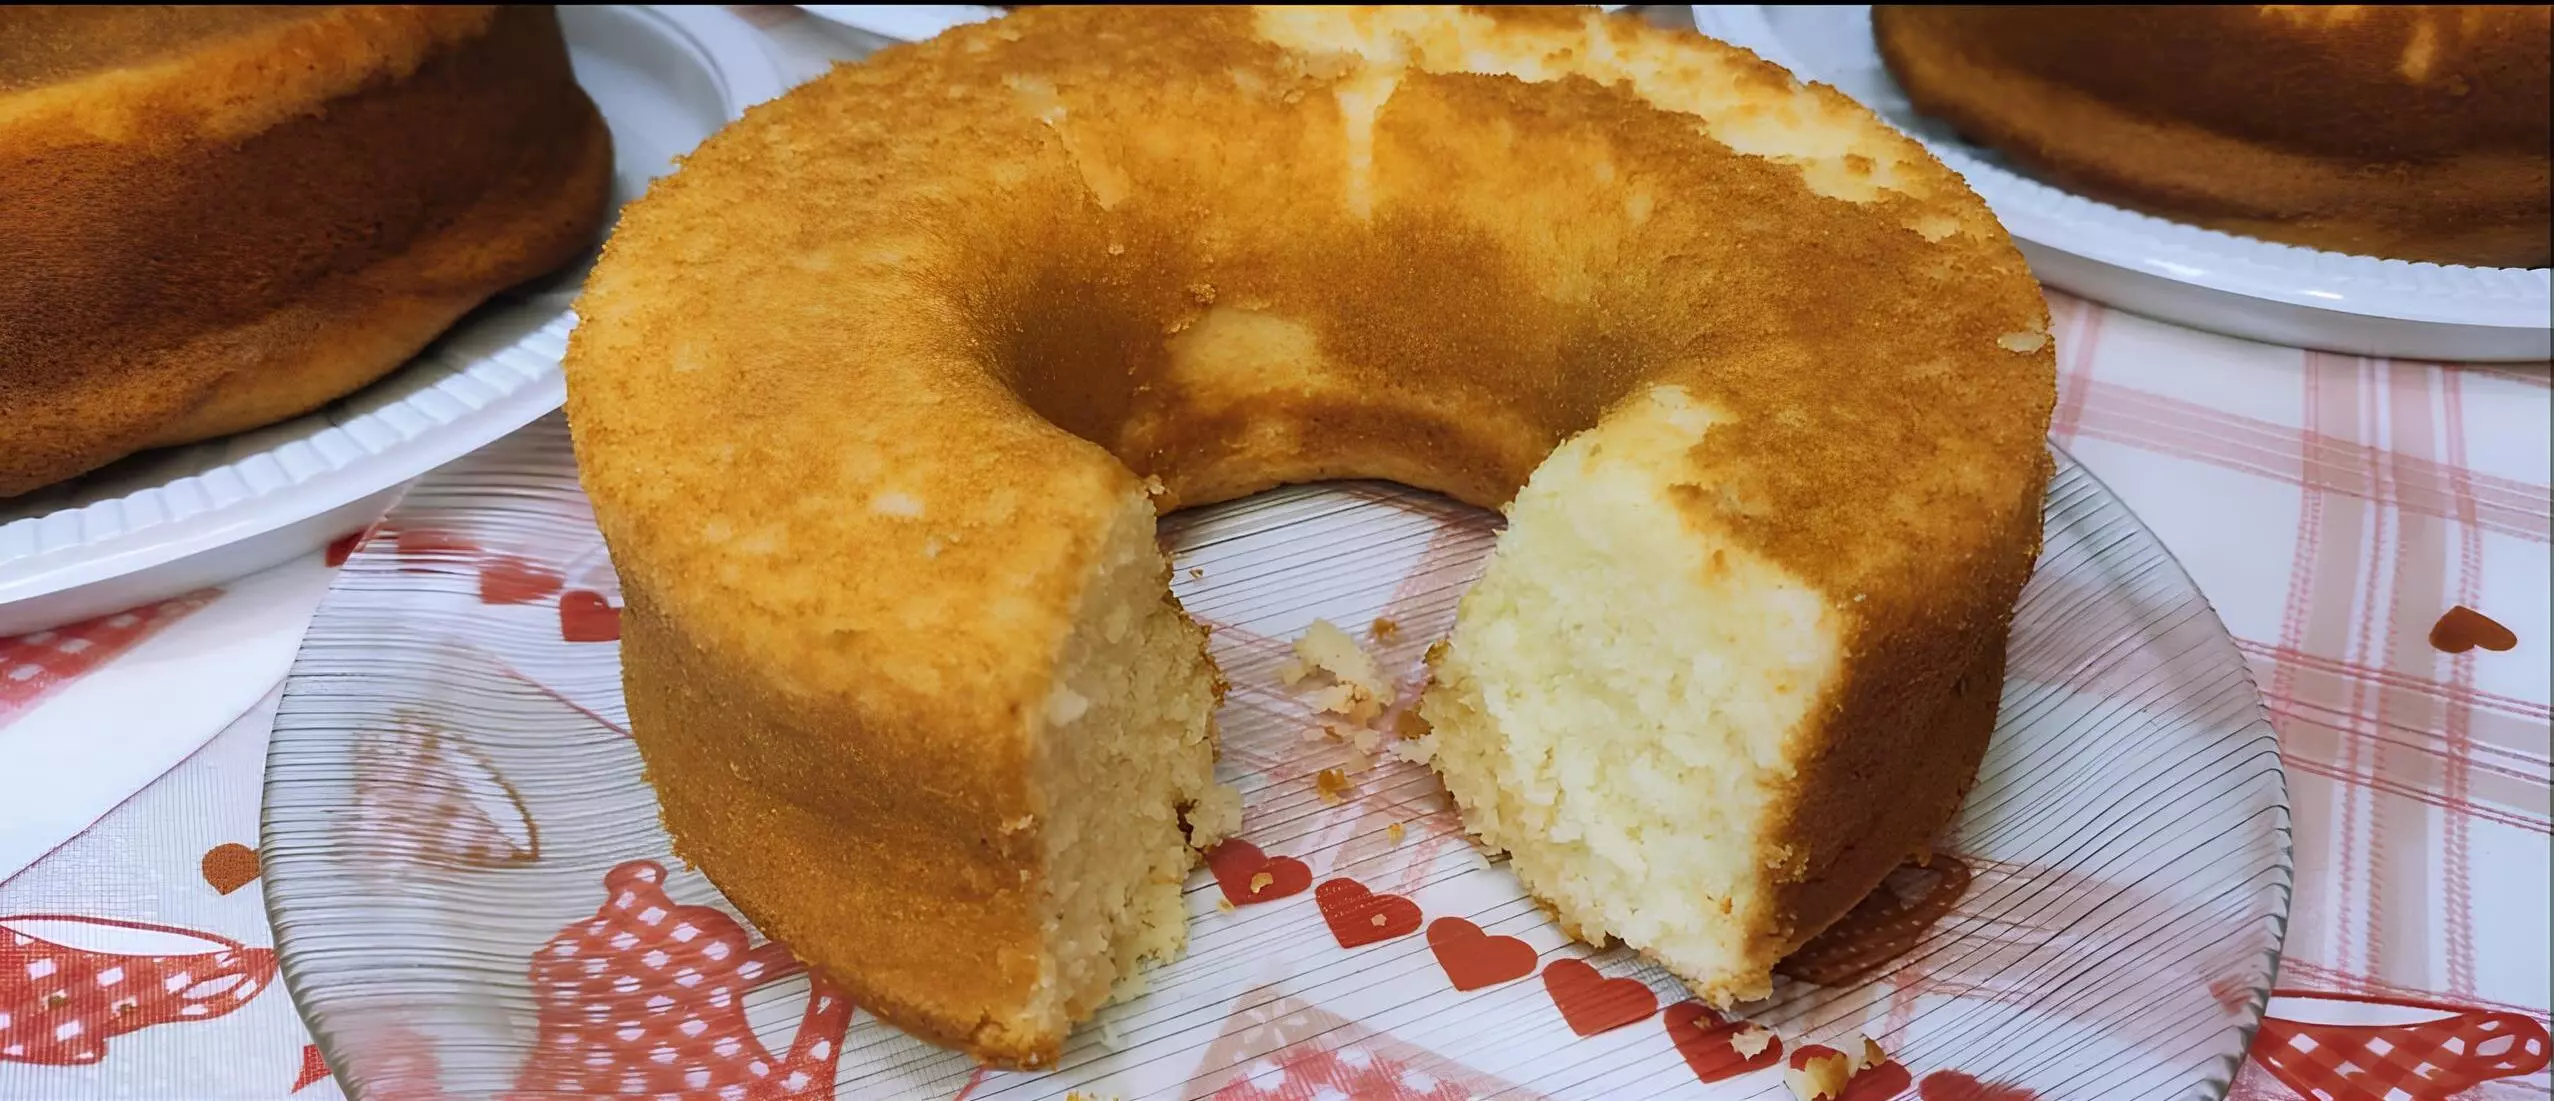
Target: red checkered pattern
(2407, 1062)
(35, 666)
(648, 998)
(60, 1004)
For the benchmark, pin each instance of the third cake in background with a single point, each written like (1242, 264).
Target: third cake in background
(2417, 133)
(213, 219)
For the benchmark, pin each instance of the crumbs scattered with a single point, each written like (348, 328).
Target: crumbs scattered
(1325, 648)
(1332, 785)
(1195, 572)
(1409, 724)
(1383, 629)
(1751, 1041)
(1260, 881)
(1393, 833)
(1353, 691)
(1226, 905)
(1819, 1077)
(1823, 1077)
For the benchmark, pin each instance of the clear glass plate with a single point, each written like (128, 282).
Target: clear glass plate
(472, 894)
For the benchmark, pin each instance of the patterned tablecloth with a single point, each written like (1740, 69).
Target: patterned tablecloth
(2374, 533)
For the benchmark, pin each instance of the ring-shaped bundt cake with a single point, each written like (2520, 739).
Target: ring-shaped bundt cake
(878, 399)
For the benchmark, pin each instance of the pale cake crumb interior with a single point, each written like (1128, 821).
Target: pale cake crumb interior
(1128, 776)
(1615, 707)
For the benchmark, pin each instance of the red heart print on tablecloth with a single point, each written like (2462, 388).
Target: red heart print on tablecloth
(647, 997)
(68, 984)
(2462, 629)
(425, 549)
(1238, 864)
(586, 616)
(2426, 1060)
(1592, 1003)
(1880, 1083)
(1473, 959)
(1360, 917)
(344, 546)
(34, 666)
(229, 866)
(1951, 1085)
(506, 579)
(1709, 1042)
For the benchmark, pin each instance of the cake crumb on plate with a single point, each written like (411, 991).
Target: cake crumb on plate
(1751, 1041)
(1332, 785)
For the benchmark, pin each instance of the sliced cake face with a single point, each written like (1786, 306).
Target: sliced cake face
(1618, 706)
(1126, 765)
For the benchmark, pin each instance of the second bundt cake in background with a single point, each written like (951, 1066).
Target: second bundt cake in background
(2412, 132)
(215, 218)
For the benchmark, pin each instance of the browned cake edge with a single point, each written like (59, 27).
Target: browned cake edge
(1888, 781)
(944, 920)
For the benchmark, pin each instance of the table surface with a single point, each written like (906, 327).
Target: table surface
(2336, 510)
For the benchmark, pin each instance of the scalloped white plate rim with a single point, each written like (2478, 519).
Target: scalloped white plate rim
(2364, 286)
(902, 22)
(427, 429)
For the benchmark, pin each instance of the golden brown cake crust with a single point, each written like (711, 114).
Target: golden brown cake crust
(1885, 779)
(211, 220)
(2419, 133)
(855, 392)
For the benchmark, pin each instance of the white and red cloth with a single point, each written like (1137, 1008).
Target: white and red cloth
(2333, 508)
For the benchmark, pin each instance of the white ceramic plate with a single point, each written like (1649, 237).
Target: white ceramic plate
(472, 895)
(168, 522)
(902, 22)
(2181, 273)
(915, 22)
